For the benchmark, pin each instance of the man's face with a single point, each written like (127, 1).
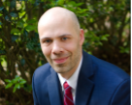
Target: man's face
(61, 44)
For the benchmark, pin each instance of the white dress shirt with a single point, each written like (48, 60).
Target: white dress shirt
(72, 81)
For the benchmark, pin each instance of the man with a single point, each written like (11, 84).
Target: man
(73, 77)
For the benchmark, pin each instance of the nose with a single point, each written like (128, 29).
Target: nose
(57, 48)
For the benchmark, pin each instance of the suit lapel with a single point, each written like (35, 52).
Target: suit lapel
(85, 85)
(54, 89)
(84, 91)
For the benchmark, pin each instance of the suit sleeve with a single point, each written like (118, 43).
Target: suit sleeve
(34, 93)
(121, 95)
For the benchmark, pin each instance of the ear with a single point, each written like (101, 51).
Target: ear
(81, 36)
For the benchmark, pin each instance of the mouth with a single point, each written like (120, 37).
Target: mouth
(60, 60)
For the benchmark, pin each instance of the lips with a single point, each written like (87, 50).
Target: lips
(60, 60)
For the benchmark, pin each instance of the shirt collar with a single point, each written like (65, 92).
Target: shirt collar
(72, 81)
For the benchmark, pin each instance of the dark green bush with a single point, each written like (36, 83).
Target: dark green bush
(107, 35)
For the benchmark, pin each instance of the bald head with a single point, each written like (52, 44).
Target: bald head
(61, 40)
(59, 14)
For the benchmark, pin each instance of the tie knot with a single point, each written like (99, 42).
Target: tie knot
(66, 86)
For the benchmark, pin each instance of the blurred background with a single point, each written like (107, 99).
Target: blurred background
(107, 36)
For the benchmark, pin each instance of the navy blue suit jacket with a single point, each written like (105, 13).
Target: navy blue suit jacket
(99, 83)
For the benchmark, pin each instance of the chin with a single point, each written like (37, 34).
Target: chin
(60, 70)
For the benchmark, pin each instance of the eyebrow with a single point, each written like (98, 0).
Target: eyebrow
(64, 35)
(43, 37)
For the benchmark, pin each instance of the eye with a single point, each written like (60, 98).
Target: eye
(46, 41)
(64, 38)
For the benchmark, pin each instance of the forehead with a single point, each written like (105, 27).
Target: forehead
(54, 27)
(52, 19)
(55, 33)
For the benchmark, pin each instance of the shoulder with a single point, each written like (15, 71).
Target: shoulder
(39, 83)
(43, 68)
(121, 94)
(103, 70)
(109, 70)
(110, 81)
(42, 72)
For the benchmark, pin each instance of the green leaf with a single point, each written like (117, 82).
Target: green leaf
(14, 38)
(14, 89)
(104, 37)
(60, 2)
(30, 27)
(37, 3)
(14, 81)
(2, 52)
(0, 23)
(1, 14)
(16, 76)
(22, 62)
(91, 20)
(1, 8)
(31, 21)
(20, 24)
(124, 49)
(25, 33)
(7, 80)
(13, 3)
(17, 86)
(8, 85)
(29, 45)
(15, 30)
(23, 82)
(7, 18)
(13, 14)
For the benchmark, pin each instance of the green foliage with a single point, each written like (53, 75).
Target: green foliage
(15, 31)
(106, 24)
(17, 83)
(125, 50)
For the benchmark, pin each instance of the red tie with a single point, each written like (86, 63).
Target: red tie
(68, 100)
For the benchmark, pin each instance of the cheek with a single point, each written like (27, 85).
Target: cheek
(72, 46)
(45, 50)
